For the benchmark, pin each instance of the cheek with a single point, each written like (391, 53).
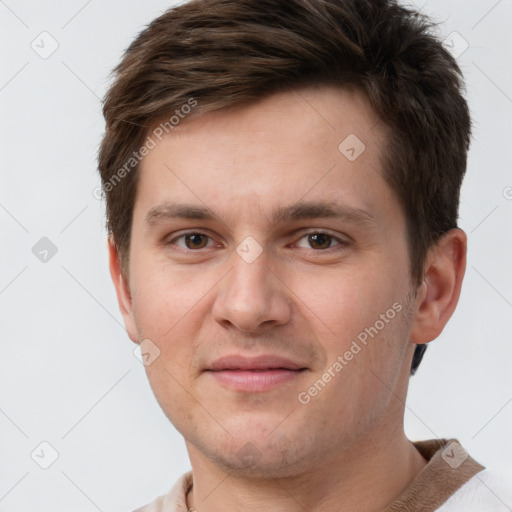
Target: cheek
(363, 390)
(166, 313)
(168, 386)
(361, 319)
(347, 302)
(162, 298)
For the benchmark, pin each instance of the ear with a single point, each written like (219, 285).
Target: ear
(121, 285)
(439, 292)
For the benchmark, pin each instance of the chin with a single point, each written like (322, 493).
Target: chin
(258, 449)
(251, 462)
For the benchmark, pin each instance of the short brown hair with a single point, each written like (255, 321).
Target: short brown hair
(225, 52)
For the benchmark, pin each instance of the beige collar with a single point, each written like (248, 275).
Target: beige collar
(449, 467)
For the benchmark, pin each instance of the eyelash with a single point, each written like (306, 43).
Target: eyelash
(341, 243)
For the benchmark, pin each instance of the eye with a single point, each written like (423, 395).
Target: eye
(191, 240)
(317, 240)
(320, 240)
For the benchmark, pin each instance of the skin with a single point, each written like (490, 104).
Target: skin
(303, 298)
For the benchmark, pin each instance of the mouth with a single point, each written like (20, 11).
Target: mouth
(255, 374)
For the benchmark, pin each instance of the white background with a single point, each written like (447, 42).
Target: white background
(68, 375)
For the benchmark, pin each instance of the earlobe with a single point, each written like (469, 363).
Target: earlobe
(439, 292)
(123, 293)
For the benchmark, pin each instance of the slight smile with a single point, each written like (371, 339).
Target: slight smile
(254, 374)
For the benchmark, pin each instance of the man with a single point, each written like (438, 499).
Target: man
(282, 182)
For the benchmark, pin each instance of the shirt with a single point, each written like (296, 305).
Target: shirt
(451, 481)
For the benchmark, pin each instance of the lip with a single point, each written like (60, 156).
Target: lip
(263, 362)
(254, 374)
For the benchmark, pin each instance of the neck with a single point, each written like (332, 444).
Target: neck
(367, 477)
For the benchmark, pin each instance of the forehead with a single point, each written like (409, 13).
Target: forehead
(314, 144)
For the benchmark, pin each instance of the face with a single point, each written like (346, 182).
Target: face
(269, 269)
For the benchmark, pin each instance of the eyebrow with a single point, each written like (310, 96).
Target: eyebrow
(298, 211)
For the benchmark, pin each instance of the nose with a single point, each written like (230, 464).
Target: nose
(251, 297)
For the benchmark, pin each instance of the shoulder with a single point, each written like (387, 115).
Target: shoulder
(174, 500)
(486, 491)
